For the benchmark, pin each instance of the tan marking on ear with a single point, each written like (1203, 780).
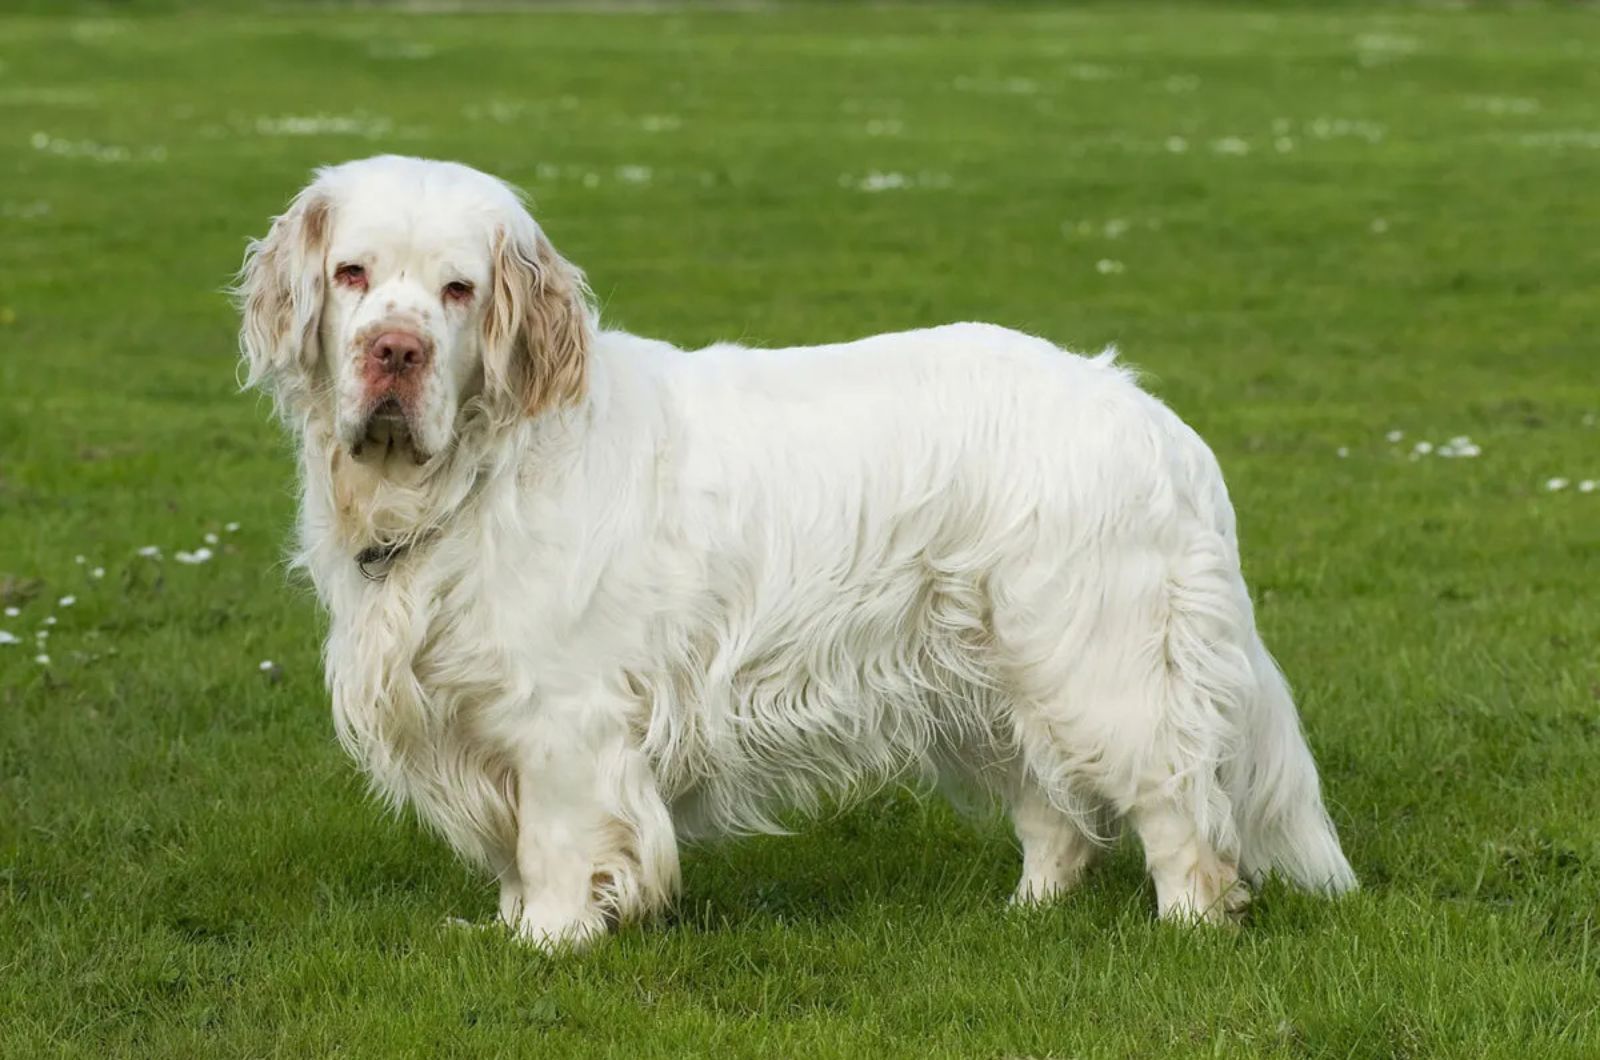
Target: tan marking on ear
(314, 227)
(538, 328)
(279, 294)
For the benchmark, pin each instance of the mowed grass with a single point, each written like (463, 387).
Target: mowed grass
(1309, 227)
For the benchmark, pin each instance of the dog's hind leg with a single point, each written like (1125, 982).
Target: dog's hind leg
(1137, 695)
(1056, 849)
(1193, 685)
(1196, 878)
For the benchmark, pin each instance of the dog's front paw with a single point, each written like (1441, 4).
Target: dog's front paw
(554, 929)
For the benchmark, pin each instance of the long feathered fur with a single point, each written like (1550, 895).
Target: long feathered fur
(717, 585)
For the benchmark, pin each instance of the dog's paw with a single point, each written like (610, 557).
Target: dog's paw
(556, 931)
(1041, 890)
(1236, 900)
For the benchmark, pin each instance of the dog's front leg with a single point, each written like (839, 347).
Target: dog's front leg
(595, 842)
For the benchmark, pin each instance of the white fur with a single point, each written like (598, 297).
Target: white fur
(715, 585)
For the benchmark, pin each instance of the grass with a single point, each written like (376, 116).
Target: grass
(189, 867)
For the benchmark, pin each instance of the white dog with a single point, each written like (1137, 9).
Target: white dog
(591, 594)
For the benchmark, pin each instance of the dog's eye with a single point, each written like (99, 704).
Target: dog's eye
(351, 276)
(458, 291)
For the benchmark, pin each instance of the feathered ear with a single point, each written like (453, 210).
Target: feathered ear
(538, 328)
(279, 294)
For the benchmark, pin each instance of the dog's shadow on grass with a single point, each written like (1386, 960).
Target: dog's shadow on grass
(895, 857)
(892, 854)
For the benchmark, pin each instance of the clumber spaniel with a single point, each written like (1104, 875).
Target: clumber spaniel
(591, 594)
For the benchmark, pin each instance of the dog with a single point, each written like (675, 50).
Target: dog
(591, 595)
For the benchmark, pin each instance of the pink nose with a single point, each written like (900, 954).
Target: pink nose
(397, 353)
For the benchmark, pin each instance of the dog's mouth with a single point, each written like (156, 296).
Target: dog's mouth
(387, 434)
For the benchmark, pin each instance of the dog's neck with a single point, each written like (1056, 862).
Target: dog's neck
(372, 513)
(362, 517)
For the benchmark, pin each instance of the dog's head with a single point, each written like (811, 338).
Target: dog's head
(396, 296)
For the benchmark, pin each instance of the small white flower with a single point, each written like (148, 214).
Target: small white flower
(42, 659)
(1501, 105)
(79, 560)
(13, 612)
(1394, 436)
(1177, 145)
(49, 620)
(1108, 267)
(1343, 451)
(67, 601)
(266, 664)
(9, 638)
(1230, 145)
(98, 572)
(1422, 448)
(42, 635)
(1587, 486)
(232, 528)
(211, 539)
(876, 181)
(1555, 484)
(199, 555)
(150, 551)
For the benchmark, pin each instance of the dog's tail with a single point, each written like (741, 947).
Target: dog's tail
(1283, 827)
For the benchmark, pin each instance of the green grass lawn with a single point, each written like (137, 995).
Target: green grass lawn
(1310, 228)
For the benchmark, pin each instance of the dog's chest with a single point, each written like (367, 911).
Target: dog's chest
(413, 682)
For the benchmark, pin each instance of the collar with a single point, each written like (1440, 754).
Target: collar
(374, 561)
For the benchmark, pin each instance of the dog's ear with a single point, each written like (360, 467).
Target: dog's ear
(538, 327)
(279, 293)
